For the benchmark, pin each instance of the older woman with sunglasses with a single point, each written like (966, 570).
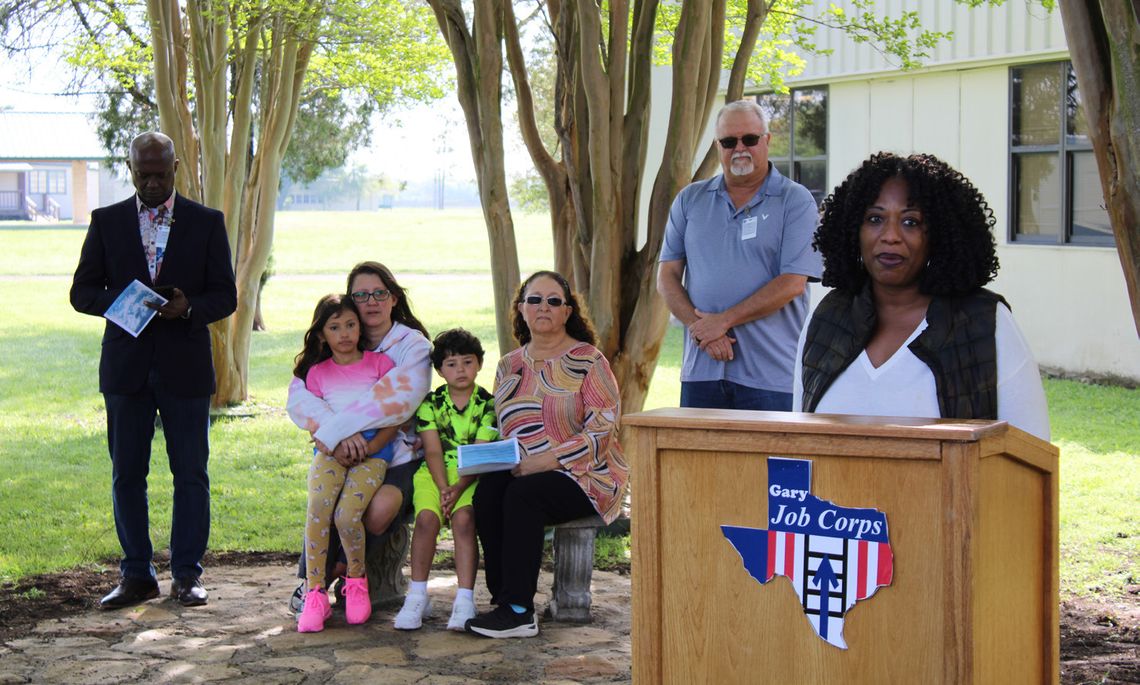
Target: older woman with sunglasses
(389, 326)
(557, 396)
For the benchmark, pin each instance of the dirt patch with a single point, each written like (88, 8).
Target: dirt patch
(1100, 641)
(53, 595)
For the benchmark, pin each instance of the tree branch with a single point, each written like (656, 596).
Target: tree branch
(528, 127)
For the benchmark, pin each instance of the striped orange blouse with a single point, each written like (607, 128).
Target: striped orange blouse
(571, 407)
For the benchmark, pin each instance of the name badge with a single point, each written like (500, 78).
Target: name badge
(748, 228)
(163, 236)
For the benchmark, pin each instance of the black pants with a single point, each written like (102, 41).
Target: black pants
(130, 430)
(511, 515)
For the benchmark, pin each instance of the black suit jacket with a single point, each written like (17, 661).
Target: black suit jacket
(197, 261)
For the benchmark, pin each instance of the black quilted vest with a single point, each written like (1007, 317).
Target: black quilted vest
(958, 346)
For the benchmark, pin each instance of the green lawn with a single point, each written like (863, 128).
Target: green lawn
(54, 488)
(407, 240)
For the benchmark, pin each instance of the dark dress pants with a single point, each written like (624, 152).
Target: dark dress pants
(511, 516)
(130, 429)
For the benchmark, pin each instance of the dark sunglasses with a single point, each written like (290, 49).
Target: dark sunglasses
(553, 300)
(750, 139)
(379, 294)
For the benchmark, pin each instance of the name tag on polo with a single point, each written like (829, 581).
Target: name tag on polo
(748, 228)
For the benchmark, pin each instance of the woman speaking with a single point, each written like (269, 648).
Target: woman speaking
(909, 330)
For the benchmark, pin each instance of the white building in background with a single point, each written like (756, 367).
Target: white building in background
(999, 102)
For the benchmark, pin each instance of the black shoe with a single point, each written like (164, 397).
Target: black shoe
(129, 592)
(189, 592)
(503, 622)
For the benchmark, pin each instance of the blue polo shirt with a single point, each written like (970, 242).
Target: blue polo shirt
(722, 268)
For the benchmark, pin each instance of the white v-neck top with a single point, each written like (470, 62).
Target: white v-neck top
(904, 386)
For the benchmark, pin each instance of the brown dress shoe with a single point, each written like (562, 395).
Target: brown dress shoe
(129, 592)
(189, 592)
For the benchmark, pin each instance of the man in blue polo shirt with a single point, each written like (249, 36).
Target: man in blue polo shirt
(734, 268)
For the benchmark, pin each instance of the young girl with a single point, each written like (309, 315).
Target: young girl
(334, 368)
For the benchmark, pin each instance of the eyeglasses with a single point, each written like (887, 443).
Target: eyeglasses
(553, 300)
(379, 294)
(749, 139)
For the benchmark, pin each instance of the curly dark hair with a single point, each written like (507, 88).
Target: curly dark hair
(454, 341)
(578, 325)
(402, 310)
(959, 224)
(316, 350)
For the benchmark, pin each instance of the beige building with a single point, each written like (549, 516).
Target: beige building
(52, 167)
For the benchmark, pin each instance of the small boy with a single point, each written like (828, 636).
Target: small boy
(459, 412)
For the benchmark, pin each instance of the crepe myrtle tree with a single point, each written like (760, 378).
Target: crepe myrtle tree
(1103, 38)
(596, 172)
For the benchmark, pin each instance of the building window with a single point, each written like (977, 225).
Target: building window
(798, 123)
(1055, 189)
(42, 181)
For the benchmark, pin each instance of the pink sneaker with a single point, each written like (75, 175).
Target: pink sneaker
(357, 605)
(315, 613)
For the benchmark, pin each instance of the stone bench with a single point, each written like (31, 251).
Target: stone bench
(573, 568)
(384, 560)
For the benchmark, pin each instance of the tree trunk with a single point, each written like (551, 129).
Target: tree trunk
(209, 173)
(563, 217)
(258, 319)
(699, 31)
(604, 104)
(229, 380)
(478, 58)
(1103, 39)
(595, 188)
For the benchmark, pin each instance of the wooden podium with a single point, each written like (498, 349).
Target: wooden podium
(971, 510)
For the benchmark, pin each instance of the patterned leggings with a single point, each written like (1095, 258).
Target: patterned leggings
(348, 490)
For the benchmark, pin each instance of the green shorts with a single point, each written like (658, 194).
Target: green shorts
(425, 494)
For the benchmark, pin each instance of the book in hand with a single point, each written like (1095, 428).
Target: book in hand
(129, 310)
(488, 456)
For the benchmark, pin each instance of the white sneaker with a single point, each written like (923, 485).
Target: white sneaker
(461, 612)
(416, 608)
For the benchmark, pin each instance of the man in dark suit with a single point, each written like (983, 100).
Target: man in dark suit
(179, 248)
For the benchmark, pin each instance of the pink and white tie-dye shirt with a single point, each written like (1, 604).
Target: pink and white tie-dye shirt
(340, 385)
(390, 402)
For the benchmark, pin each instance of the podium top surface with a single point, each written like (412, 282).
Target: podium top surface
(819, 424)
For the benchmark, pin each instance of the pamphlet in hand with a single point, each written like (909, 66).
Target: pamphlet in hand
(129, 309)
(488, 456)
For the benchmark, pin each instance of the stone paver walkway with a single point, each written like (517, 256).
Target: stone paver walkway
(246, 635)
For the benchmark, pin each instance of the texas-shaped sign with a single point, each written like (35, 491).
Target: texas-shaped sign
(834, 556)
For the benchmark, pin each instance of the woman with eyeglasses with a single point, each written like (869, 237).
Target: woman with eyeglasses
(909, 330)
(557, 396)
(389, 327)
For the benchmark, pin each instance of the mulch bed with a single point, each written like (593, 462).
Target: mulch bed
(1100, 642)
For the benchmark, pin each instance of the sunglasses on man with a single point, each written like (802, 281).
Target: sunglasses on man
(379, 294)
(553, 300)
(750, 139)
